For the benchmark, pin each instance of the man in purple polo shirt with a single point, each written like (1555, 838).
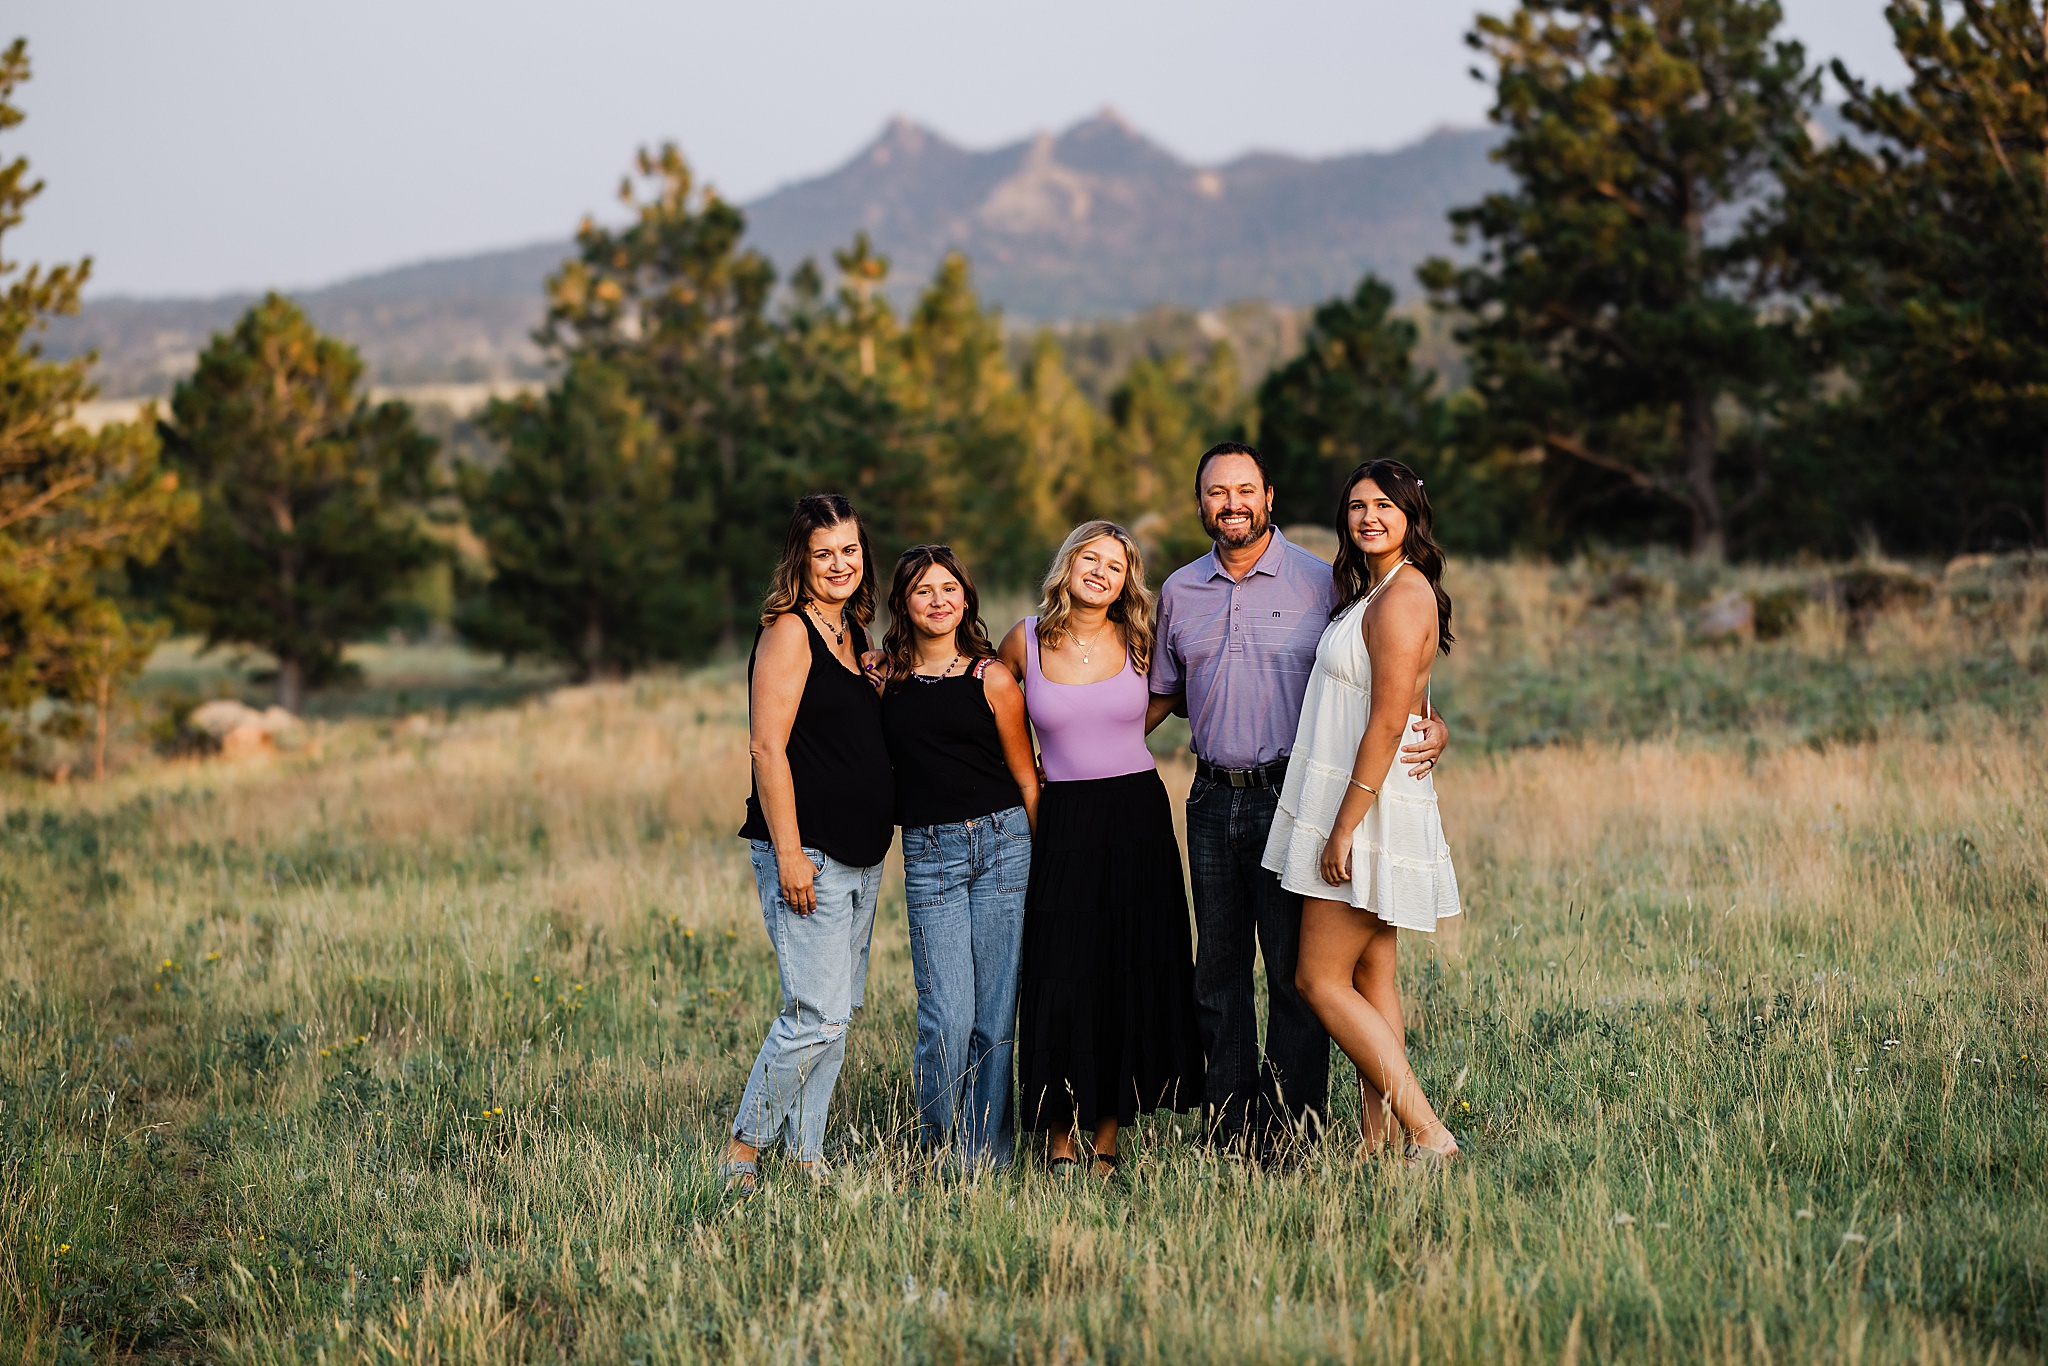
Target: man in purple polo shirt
(1237, 637)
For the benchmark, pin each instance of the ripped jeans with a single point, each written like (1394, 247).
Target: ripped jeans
(822, 959)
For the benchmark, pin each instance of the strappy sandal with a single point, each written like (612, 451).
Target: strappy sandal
(1420, 1158)
(740, 1178)
(1109, 1160)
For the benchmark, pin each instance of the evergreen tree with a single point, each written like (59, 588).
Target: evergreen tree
(309, 496)
(1615, 305)
(1352, 395)
(587, 560)
(968, 429)
(74, 505)
(840, 386)
(1926, 238)
(674, 306)
(1061, 431)
(1162, 416)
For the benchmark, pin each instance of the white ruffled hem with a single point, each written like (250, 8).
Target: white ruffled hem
(1410, 885)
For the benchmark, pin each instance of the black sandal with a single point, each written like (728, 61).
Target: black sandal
(1058, 1166)
(1109, 1160)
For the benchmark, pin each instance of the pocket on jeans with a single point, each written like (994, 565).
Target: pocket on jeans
(1200, 788)
(1013, 858)
(924, 876)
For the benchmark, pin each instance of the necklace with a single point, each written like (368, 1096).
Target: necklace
(941, 674)
(838, 632)
(1087, 645)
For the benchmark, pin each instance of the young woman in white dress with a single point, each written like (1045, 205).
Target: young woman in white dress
(1356, 834)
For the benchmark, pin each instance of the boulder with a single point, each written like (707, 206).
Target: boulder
(222, 717)
(239, 730)
(247, 742)
(1731, 616)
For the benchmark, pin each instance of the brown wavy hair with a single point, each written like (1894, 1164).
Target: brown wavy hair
(1133, 610)
(1404, 490)
(787, 590)
(970, 637)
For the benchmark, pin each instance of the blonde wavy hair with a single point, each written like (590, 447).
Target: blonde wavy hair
(1134, 609)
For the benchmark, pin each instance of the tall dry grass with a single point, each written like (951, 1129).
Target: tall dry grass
(419, 1049)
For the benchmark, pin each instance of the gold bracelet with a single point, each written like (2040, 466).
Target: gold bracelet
(1375, 791)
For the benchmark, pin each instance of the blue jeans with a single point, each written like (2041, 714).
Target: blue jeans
(822, 959)
(964, 888)
(1235, 900)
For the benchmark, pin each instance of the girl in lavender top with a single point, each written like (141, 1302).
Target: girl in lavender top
(1107, 1013)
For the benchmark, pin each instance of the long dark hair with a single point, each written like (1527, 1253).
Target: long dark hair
(787, 591)
(970, 637)
(1405, 492)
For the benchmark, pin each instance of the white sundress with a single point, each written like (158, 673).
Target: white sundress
(1400, 865)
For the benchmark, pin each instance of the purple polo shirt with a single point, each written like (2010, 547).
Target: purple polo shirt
(1242, 650)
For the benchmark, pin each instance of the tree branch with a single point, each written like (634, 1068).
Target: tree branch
(1642, 479)
(44, 499)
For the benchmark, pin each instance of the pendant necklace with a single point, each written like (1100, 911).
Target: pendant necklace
(838, 632)
(1087, 645)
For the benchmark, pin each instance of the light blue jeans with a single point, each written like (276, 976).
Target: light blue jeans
(964, 887)
(822, 959)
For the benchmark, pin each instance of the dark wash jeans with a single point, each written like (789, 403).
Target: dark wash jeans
(1236, 899)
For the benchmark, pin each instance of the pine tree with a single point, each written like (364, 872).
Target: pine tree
(677, 309)
(1925, 238)
(1352, 395)
(1061, 433)
(74, 504)
(309, 496)
(1164, 413)
(1615, 305)
(967, 427)
(587, 563)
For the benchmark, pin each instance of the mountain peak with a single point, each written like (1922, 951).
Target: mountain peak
(901, 139)
(1106, 145)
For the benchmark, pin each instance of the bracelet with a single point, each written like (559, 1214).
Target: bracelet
(1355, 783)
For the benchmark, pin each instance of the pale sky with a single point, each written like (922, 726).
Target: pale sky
(210, 145)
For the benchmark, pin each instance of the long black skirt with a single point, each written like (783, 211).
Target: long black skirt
(1106, 1022)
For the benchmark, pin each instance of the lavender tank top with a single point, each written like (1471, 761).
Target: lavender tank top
(1087, 730)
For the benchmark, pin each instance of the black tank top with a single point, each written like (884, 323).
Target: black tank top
(947, 752)
(845, 794)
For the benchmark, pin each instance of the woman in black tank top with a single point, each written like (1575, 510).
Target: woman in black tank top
(967, 798)
(819, 819)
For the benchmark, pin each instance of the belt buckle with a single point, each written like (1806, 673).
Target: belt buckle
(1243, 777)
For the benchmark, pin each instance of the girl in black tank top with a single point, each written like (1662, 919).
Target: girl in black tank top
(946, 749)
(967, 796)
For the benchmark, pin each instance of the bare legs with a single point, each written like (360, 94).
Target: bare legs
(1346, 972)
(1373, 979)
(1061, 1144)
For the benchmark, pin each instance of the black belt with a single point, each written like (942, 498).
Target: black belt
(1265, 775)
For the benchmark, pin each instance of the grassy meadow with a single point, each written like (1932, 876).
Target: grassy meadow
(416, 1045)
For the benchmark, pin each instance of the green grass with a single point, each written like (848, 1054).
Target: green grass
(419, 1049)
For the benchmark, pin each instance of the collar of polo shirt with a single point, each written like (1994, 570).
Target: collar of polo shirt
(1267, 563)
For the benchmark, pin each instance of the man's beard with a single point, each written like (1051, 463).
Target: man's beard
(1257, 528)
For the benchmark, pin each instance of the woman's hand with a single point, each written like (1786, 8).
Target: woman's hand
(799, 881)
(875, 664)
(1335, 865)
